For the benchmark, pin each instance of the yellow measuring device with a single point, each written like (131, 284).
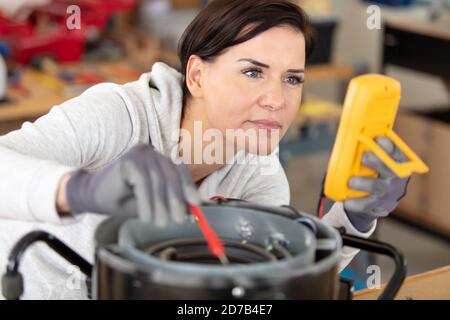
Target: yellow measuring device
(369, 111)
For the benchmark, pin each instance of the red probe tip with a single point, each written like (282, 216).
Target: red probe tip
(215, 245)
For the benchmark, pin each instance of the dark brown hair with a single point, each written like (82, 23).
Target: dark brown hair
(220, 24)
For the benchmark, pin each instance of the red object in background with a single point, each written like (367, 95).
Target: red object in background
(10, 27)
(88, 78)
(94, 13)
(59, 43)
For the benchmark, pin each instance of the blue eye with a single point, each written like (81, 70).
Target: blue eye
(294, 80)
(253, 73)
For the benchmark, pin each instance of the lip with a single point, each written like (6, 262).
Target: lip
(267, 124)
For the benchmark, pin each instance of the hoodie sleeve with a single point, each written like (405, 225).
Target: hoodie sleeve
(84, 132)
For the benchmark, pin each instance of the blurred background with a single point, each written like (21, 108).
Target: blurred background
(51, 51)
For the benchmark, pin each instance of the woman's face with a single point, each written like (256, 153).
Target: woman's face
(256, 85)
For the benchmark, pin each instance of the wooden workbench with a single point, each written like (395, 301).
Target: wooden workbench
(40, 92)
(431, 285)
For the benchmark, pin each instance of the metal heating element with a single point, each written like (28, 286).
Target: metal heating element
(238, 252)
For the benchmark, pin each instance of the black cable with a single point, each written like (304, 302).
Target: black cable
(284, 211)
(57, 245)
(282, 251)
(12, 280)
(396, 281)
(319, 206)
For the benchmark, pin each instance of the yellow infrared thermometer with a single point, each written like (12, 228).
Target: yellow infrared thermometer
(369, 111)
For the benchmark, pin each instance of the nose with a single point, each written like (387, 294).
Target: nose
(274, 98)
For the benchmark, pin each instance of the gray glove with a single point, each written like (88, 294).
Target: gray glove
(385, 191)
(142, 183)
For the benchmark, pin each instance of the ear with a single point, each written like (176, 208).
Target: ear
(194, 76)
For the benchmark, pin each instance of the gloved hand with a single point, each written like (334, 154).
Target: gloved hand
(142, 183)
(384, 191)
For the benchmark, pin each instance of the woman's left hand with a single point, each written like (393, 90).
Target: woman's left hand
(384, 191)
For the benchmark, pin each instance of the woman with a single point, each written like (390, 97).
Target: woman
(112, 149)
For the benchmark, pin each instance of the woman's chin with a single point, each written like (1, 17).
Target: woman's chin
(263, 148)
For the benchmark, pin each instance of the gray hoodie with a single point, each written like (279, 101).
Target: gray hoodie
(89, 132)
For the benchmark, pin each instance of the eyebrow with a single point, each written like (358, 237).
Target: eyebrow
(263, 65)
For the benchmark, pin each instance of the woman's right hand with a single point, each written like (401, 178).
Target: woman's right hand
(142, 183)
